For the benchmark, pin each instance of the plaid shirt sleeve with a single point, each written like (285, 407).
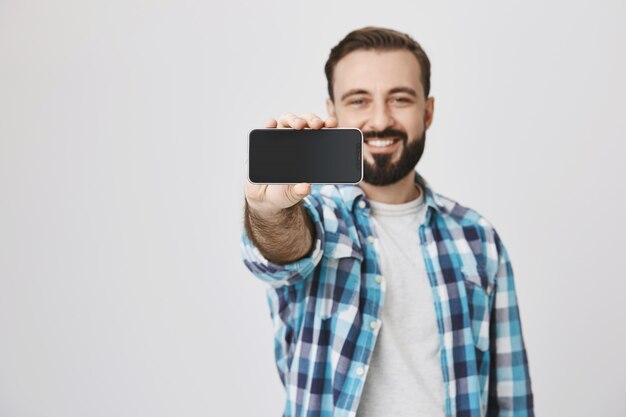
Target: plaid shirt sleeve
(288, 274)
(510, 391)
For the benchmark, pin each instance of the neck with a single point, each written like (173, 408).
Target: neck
(399, 192)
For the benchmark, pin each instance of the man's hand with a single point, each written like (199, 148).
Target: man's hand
(279, 227)
(267, 200)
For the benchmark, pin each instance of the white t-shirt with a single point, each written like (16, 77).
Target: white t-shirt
(405, 374)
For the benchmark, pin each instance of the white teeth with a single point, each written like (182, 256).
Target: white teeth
(380, 143)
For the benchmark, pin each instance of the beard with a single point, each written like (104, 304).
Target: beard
(385, 172)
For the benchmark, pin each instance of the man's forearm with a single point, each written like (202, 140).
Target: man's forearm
(282, 238)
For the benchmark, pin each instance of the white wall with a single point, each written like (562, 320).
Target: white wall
(122, 140)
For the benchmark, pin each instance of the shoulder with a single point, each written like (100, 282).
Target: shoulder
(467, 225)
(456, 213)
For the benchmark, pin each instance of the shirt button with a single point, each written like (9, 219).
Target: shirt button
(360, 371)
(370, 239)
(373, 325)
(379, 278)
(362, 204)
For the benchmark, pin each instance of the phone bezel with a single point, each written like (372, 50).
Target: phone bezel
(292, 183)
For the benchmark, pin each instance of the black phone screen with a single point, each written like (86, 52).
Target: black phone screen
(288, 156)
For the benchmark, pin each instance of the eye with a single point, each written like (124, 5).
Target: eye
(402, 100)
(357, 102)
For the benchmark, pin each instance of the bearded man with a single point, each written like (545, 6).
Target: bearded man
(388, 299)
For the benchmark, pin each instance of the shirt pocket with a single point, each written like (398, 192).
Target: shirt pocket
(479, 296)
(340, 275)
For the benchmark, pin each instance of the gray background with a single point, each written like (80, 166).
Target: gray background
(123, 131)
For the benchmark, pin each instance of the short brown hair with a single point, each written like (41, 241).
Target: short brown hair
(380, 39)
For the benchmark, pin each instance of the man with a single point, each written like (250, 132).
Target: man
(387, 298)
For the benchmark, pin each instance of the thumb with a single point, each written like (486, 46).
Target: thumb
(302, 189)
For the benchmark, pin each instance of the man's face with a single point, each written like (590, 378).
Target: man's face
(381, 93)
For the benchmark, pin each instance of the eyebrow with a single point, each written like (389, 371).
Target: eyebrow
(353, 92)
(407, 90)
(394, 90)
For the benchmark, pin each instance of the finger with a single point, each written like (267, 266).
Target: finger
(254, 193)
(247, 172)
(313, 121)
(302, 189)
(295, 193)
(330, 122)
(251, 189)
(271, 123)
(298, 123)
(290, 120)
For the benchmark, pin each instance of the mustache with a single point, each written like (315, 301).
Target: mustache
(387, 133)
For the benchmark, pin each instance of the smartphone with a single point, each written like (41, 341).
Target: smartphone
(316, 156)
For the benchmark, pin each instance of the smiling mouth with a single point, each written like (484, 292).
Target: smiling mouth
(381, 143)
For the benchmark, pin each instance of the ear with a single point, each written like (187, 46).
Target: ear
(428, 111)
(330, 108)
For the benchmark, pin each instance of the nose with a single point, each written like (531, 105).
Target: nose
(380, 118)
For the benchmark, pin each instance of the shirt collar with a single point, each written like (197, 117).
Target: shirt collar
(352, 194)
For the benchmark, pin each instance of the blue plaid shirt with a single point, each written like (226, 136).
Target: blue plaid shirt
(325, 308)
